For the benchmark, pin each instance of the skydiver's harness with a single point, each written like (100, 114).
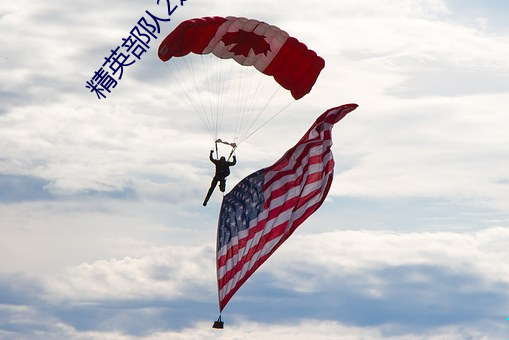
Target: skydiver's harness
(233, 145)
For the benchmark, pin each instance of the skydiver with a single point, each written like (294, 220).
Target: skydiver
(222, 171)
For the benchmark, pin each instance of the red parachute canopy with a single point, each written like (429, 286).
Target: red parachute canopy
(251, 43)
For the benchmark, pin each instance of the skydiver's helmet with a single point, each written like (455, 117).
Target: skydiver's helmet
(222, 159)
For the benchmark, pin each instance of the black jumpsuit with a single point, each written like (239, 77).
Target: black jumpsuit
(222, 171)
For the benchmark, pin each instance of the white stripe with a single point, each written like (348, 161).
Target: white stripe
(315, 168)
(242, 252)
(294, 171)
(234, 240)
(314, 151)
(247, 266)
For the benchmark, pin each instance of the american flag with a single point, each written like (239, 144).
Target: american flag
(266, 207)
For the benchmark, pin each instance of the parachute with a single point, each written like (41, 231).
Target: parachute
(200, 49)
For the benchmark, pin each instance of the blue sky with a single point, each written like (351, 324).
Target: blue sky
(102, 232)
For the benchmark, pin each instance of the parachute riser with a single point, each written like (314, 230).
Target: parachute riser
(231, 153)
(233, 145)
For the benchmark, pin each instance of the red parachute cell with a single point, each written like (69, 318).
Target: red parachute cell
(251, 43)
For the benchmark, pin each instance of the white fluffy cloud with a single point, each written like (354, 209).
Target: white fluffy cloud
(339, 253)
(167, 273)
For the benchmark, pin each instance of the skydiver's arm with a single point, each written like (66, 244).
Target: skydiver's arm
(234, 161)
(210, 156)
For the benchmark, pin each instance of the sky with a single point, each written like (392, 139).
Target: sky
(102, 231)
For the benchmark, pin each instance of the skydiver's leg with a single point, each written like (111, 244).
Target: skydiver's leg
(222, 184)
(211, 190)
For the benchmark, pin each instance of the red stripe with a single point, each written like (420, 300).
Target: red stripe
(274, 233)
(241, 243)
(324, 134)
(241, 281)
(317, 205)
(312, 159)
(297, 182)
(237, 267)
(277, 168)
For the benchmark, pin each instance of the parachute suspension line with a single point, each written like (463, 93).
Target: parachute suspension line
(195, 72)
(249, 134)
(238, 109)
(215, 89)
(254, 86)
(208, 112)
(207, 119)
(213, 85)
(224, 68)
(267, 121)
(252, 121)
(239, 104)
(196, 109)
(254, 96)
(246, 109)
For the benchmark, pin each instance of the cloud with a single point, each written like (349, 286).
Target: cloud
(448, 159)
(412, 281)
(380, 284)
(168, 273)
(342, 252)
(371, 284)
